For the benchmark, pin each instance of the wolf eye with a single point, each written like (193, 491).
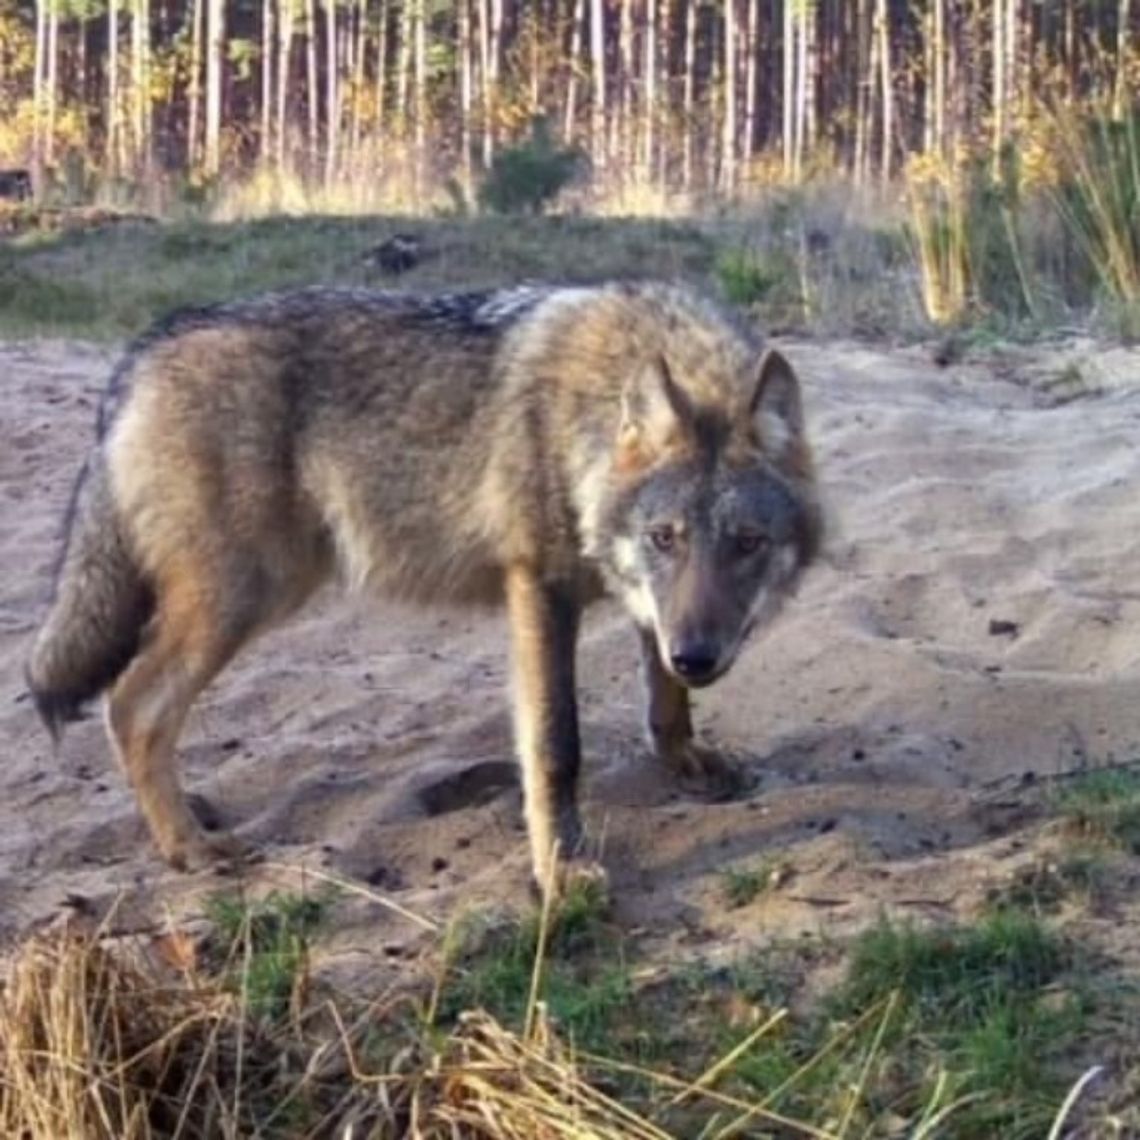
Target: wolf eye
(748, 542)
(662, 538)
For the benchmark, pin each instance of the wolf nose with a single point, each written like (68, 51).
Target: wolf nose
(694, 663)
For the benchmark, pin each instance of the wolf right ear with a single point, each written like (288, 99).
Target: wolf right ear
(654, 411)
(777, 409)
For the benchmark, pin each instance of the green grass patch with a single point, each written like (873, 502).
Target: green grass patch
(265, 945)
(1103, 807)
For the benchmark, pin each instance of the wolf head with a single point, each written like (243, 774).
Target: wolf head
(711, 512)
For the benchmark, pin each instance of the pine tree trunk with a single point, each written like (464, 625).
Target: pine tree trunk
(940, 76)
(888, 98)
(194, 92)
(649, 110)
(568, 120)
(215, 56)
(284, 52)
(485, 96)
(404, 67)
(661, 113)
(728, 124)
(999, 84)
(332, 93)
(465, 92)
(688, 98)
(864, 71)
(421, 92)
(751, 38)
(381, 76)
(789, 88)
(801, 92)
(621, 130)
(267, 58)
(51, 81)
(1119, 94)
(356, 95)
(39, 82)
(313, 94)
(598, 63)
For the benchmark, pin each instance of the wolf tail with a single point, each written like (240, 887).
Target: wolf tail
(101, 606)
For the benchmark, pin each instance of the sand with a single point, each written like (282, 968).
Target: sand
(974, 628)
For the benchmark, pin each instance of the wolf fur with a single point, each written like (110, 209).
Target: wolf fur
(535, 446)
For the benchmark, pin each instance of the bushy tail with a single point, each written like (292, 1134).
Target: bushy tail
(102, 603)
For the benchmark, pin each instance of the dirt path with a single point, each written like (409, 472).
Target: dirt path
(979, 619)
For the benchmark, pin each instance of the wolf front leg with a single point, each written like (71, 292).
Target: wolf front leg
(669, 725)
(544, 632)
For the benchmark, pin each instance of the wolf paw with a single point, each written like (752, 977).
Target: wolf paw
(575, 882)
(223, 853)
(705, 769)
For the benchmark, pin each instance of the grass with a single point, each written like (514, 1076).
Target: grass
(1102, 807)
(742, 885)
(543, 1025)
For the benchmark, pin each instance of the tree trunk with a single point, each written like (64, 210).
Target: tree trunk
(940, 76)
(882, 15)
(265, 148)
(999, 84)
(39, 82)
(284, 51)
(332, 93)
(661, 128)
(404, 67)
(801, 91)
(688, 104)
(486, 96)
(360, 16)
(568, 121)
(381, 73)
(649, 110)
(751, 42)
(215, 57)
(789, 87)
(194, 92)
(50, 83)
(621, 129)
(728, 124)
(421, 92)
(864, 70)
(1120, 88)
(465, 92)
(312, 95)
(598, 61)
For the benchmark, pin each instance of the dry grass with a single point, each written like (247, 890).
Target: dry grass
(107, 1038)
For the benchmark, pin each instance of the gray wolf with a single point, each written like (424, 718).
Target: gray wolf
(535, 446)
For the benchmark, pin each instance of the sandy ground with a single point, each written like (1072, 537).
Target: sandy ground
(976, 627)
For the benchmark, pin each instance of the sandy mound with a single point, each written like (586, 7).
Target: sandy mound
(978, 620)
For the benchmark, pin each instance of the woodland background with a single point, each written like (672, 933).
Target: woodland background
(396, 97)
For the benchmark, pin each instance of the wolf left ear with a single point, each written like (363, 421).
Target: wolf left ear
(777, 409)
(653, 409)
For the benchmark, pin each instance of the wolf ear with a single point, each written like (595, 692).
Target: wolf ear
(653, 409)
(777, 410)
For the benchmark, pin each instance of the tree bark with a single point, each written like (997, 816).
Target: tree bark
(598, 62)
(728, 123)
(284, 52)
(215, 57)
(266, 148)
(570, 115)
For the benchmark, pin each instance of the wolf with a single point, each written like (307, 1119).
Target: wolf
(535, 446)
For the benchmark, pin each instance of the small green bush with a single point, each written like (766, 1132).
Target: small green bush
(527, 177)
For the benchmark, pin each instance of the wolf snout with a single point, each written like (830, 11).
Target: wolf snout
(695, 662)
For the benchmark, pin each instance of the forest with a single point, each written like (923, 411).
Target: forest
(703, 98)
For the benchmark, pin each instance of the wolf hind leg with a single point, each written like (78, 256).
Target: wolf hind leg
(201, 622)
